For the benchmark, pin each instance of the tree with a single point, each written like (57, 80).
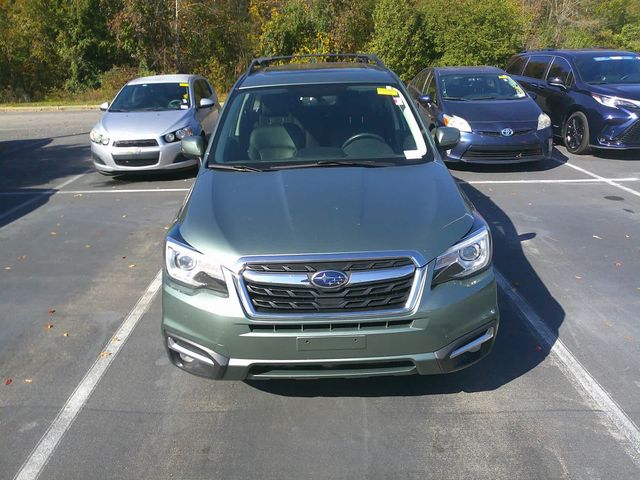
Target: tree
(402, 37)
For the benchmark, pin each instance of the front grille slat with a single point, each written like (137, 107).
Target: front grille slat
(631, 136)
(136, 143)
(514, 152)
(329, 327)
(378, 295)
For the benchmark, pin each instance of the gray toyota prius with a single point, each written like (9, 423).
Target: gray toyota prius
(324, 236)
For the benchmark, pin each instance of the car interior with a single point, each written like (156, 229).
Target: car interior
(303, 124)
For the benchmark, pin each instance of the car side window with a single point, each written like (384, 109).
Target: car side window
(515, 66)
(202, 90)
(537, 66)
(561, 69)
(418, 82)
(431, 89)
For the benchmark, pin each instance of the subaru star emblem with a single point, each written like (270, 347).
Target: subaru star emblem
(329, 279)
(506, 132)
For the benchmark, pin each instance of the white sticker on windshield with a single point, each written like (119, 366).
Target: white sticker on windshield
(399, 100)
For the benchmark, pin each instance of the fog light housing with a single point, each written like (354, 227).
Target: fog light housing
(194, 358)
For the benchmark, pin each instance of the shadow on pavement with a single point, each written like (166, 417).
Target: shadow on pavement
(515, 352)
(558, 159)
(617, 154)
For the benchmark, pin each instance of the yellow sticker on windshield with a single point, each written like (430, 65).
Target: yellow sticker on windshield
(387, 91)
(504, 77)
(184, 84)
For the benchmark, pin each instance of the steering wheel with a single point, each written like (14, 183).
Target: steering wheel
(362, 136)
(175, 103)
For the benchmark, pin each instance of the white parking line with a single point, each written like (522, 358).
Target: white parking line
(610, 181)
(38, 194)
(32, 467)
(570, 180)
(75, 192)
(586, 385)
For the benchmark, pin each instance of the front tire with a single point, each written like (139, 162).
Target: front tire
(576, 134)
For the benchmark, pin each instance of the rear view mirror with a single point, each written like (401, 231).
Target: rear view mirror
(104, 106)
(193, 147)
(206, 103)
(557, 82)
(447, 137)
(425, 100)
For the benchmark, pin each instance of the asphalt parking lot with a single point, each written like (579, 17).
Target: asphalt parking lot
(87, 390)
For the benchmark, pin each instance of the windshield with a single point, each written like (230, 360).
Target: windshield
(318, 124)
(485, 86)
(152, 97)
(609, 69)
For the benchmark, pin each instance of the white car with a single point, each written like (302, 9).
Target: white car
(142, 128)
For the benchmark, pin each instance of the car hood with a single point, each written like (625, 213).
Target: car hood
(137, 124)
(494, 111)
(630, 90)
(325, 210)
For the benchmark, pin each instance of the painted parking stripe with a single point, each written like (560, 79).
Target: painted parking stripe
(563, 181)
(611, 182)
(38, 194)
(626, 431)
(75, 192)
(40, 455)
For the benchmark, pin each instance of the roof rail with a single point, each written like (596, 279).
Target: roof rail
(263, 62)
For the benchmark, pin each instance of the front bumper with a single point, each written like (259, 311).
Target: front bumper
(110, 159)
(453, 326)
(620, 132)
(495, 149)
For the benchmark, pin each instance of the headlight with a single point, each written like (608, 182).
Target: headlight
(615, 102)
(178, 134)
(456, 122)
(98, 137)
(544, 121)
(192, 268)
(465, 258)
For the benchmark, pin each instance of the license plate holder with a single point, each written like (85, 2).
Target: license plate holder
(342, 342)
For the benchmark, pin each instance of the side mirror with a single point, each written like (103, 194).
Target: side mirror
(206, 103)
(425, 100)
(193, 147)
(447, 137)
(557, 82)
(104, 106)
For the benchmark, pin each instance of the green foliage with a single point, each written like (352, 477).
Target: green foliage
(469, 32)
(48, 47)
(402, 38)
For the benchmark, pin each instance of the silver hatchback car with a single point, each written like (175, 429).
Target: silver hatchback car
(142, 128)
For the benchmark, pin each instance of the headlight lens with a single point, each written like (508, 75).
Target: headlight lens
(544, 121)
(192, 268)
(615, 102)
(178, 134)
(456, 122)
(98, 137)
(465, 258)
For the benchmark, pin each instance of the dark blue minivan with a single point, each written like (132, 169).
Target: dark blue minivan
(498, 121)
(592, 96)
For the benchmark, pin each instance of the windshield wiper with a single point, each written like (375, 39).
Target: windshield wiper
(457, 99)
(338, 163)
(484, 98)
(236, 168)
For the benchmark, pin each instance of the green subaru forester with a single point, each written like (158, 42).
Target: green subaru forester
(324, 236)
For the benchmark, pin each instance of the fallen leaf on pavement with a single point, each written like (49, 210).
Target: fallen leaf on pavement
(7, 268)
(8, 381)
(124, 216)
(51, 311)
(65, 334)
(132, 265)
(22, 257)
(28, 380)
(596, 237)
(78, 195)
(105, 354)
(618, 264)
(578, 277)
(52, 233)
(88, 245)
(49, 326)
